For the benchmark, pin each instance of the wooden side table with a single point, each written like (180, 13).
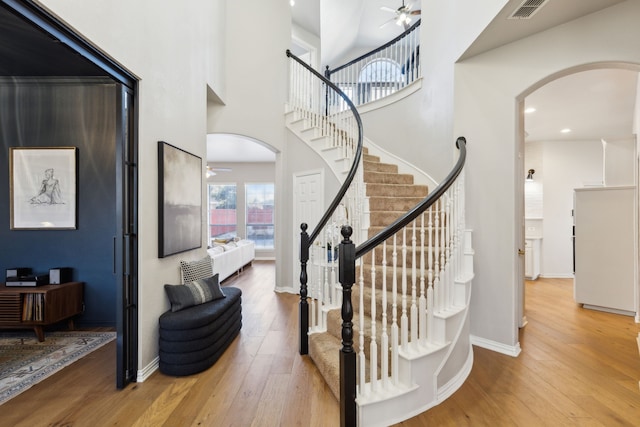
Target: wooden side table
(39, 306)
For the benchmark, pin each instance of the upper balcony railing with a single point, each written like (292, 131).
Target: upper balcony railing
(381, 72)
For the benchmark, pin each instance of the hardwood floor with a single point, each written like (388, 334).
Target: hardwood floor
(577, 367)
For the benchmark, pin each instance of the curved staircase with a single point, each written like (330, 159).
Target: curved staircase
(387, 324)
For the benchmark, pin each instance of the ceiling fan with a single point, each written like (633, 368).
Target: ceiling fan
(211, 171)
(403, 15)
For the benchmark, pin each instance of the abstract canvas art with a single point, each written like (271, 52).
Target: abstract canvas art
(179, 200)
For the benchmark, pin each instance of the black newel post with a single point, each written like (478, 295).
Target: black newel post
(304, 304)
(347, 277)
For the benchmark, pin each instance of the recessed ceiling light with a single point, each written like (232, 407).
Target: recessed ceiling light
(292, 2)
(565, 130)
(530, 110)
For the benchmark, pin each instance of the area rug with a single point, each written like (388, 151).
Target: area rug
(24, 361)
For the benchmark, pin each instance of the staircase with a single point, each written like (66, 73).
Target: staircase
(390, 195)
(406, 281)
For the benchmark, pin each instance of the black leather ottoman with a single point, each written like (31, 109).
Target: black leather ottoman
(191, 340)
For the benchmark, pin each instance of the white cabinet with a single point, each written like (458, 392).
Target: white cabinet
(532, 258)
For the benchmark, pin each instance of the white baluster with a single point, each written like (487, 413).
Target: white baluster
(373, 348)
(443, 287)
(430, 295)
(404, 320)
(437, 306)
(311, 283)
(423, 301)
(319, 287)
(414, 293)
(394, 314)
(361, 328)
(448, 253)
(384, 339)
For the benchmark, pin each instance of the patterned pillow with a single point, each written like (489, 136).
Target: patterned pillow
(194, 270)
(194, 293)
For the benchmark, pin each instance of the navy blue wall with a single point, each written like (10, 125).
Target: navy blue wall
(55, 113)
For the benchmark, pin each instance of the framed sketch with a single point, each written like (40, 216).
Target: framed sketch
(179, 200)
(43, 187)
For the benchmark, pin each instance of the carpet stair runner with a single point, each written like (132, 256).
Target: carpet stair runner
(390, 196)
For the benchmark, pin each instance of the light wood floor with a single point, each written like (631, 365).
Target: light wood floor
(577, 367)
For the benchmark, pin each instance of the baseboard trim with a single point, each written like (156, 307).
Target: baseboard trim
(286, 290)
(557, 276)
(146, 372)
(498, 347)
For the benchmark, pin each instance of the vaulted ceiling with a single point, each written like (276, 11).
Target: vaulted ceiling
(602, 101)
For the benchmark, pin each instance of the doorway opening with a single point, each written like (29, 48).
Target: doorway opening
(578, 131)
(36, 43)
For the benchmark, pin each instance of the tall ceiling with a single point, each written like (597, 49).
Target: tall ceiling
(595, 104)
(601, 102)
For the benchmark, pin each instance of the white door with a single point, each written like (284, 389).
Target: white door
(308, 206)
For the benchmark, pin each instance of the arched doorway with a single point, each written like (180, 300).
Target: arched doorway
(566, 122)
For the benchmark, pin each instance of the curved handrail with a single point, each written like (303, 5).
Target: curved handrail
(374, 51)
(356, 158)
(403, 221)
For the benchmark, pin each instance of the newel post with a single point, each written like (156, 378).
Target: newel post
(347, 277)
(304, 303)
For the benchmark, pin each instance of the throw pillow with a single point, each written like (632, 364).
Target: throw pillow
(195, 270)
(194, 293)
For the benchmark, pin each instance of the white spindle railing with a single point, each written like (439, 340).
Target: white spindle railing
(324, 112)
(434, 241)
(381, 72)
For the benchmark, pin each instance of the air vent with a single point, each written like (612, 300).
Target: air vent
(527, 9)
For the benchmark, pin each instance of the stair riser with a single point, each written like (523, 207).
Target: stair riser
(397, 204)
(388, 190)
(334, 323)
(383, 218)
(387, 178)
(355, 300)
(389, 254)
(436, 236)
(379, 167)
(370, 158)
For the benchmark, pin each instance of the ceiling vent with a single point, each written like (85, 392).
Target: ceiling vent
(527, 9)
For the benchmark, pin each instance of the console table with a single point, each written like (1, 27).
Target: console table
(39, 306)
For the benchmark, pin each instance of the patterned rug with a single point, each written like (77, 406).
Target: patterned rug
(24, 361)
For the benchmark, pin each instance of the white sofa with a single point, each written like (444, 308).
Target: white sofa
(231, 257)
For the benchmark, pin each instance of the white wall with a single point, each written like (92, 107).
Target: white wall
(619, 162)
(567, 165)
(425, 135)
(171, 47)
(256, 69)
(488, 88)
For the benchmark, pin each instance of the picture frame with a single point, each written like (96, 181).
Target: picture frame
(179, 200)
(43, 184)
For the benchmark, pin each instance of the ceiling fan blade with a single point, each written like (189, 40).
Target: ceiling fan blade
(221, 169)
(388, 9)
(388, 22)
(415, 12)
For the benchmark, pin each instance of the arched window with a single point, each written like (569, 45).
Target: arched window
(378, 78)
(381, 71)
